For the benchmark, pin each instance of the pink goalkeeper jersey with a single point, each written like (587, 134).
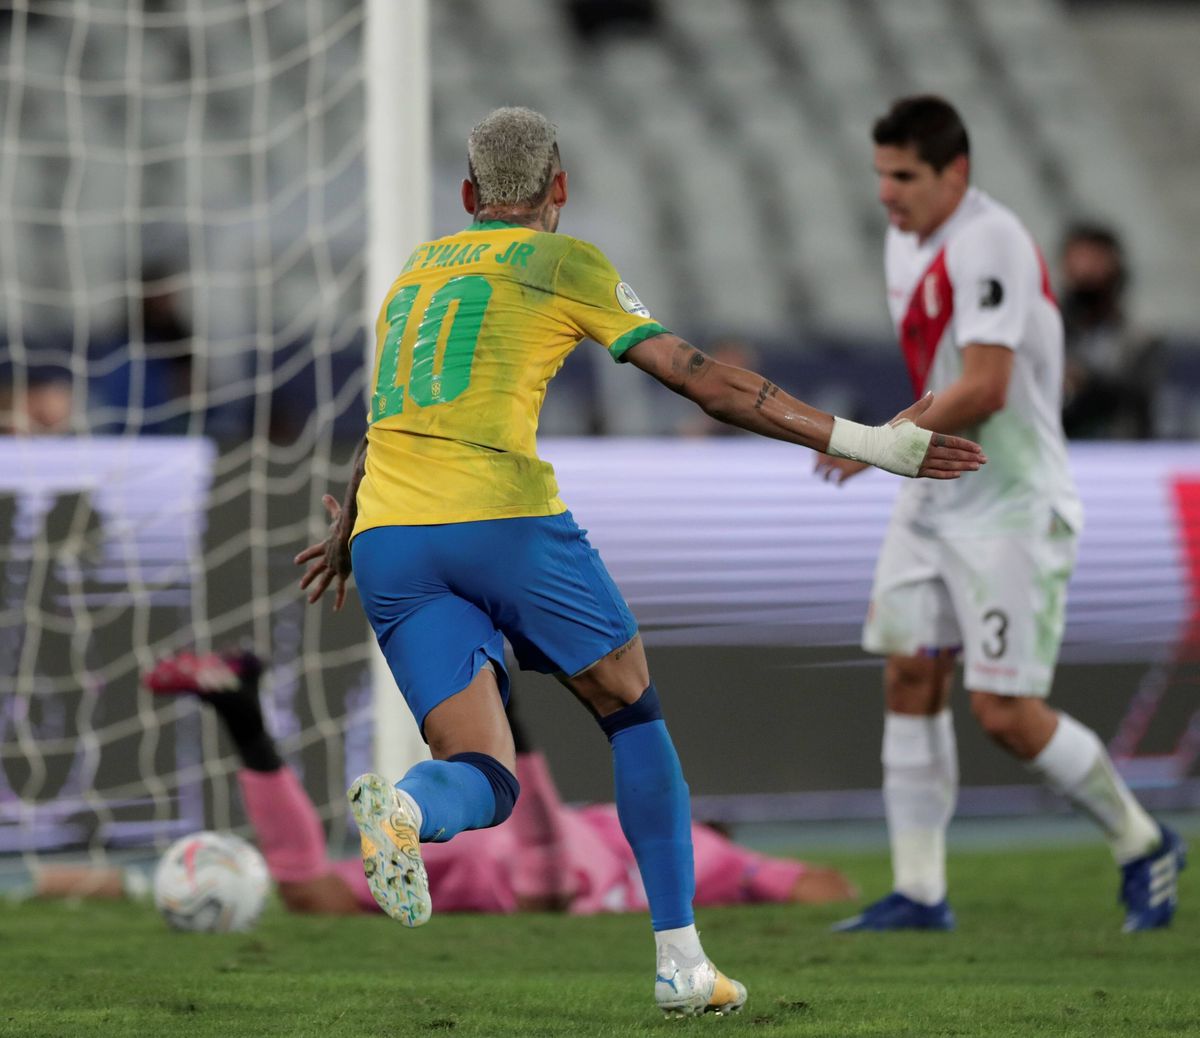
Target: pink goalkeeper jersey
(482, 870)
(981, 279)
(473, 872)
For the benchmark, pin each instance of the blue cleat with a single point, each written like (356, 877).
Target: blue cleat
(1150, 884)
(898, 912)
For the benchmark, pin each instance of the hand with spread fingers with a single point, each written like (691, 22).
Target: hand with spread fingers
(947, 457)
(328, 560)
(901, 446)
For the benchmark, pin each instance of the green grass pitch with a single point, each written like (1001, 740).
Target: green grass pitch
(1038, 952)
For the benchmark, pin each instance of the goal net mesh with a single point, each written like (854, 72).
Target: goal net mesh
(182, 229)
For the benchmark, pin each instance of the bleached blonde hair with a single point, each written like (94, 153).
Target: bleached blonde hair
(512, 154)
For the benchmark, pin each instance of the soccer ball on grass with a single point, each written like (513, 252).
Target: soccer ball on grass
(213, 882)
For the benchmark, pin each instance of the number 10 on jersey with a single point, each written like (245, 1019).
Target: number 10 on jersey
(424, 385)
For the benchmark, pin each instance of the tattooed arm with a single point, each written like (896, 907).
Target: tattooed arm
(750, 401)
(731, 395)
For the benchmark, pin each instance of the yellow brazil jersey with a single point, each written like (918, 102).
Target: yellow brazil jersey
(470, 334)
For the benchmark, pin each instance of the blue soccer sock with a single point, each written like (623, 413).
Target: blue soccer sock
(653, 806)
(468, 791)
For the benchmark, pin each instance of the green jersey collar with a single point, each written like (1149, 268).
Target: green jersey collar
(496, 225)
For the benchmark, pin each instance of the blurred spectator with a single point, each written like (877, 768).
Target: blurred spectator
(737, 353)
(593, 19)
(146, 390)
(38, 404)
(1112, 368)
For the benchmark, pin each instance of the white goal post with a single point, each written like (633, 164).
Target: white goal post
(399, 202)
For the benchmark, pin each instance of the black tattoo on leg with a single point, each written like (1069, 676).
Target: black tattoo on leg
(618, 653)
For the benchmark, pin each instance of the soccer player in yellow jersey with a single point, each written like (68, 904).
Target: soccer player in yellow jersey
(457, 538)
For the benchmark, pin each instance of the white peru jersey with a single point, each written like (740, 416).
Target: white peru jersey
(981, 279)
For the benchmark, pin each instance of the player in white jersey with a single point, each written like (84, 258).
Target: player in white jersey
(980, 566)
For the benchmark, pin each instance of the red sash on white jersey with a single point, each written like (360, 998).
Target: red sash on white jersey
(1047, 288)
(929, 312)
(924, 323)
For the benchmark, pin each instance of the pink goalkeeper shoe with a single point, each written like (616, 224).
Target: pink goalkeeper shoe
(187, 672)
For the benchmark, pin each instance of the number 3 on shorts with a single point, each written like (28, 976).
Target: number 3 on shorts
(997, 645)
(424, 386)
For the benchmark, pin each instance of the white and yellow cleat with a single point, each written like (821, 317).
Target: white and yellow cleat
(683, 988)
(391, 850)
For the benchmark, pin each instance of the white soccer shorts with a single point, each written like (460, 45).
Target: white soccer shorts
(1000, 597)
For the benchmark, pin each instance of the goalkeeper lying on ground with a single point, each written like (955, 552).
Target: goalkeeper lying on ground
(545, 857)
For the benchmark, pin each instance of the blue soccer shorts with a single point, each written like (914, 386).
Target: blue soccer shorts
(442, 599)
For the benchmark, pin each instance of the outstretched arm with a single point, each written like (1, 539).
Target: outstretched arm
(750, 401)
(731, 395)
(102, 882)
(329, 560)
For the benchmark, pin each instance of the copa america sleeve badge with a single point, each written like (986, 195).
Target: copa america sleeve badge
(629, 301)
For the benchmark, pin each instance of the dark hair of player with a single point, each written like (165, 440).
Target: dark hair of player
(929, 123)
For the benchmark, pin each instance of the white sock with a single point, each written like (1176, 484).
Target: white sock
(920, 787)
(137, 884)
(413, 806)
(684, 939)
(1075, 763)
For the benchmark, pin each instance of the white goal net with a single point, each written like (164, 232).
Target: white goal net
(184, 267)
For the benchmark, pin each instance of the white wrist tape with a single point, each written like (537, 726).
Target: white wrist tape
(898, 448)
